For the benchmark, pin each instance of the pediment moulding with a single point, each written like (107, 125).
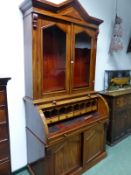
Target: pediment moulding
(67, 9)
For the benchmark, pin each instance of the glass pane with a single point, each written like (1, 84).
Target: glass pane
(54, 59)
(82, 60)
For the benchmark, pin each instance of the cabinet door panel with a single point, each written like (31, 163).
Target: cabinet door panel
(93, 143)
(82, 60)
(119, 124)
(66, 156)
(55, 54)
(82, 56)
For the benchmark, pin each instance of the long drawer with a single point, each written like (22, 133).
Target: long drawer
(5, 168)
(3, 114)
(2, 97)
(3, 131)
(4, 150)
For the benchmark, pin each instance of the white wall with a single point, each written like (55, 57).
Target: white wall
(106, 10)
(12, 65)
(12, 60)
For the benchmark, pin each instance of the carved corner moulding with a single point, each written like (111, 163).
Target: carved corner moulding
(35, 20)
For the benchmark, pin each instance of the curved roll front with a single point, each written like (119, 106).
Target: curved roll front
(103, 106)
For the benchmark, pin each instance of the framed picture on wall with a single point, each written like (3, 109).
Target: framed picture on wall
(129, 46)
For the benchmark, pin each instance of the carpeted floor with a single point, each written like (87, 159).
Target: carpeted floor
(117, 162)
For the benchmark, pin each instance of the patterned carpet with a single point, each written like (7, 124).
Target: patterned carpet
(117, 161)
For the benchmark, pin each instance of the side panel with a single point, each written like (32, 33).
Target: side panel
(36, 138)
(28, 55)
(35, 148)
(34, 122)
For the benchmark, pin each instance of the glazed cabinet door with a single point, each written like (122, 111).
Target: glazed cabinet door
(55, 55)
(65, 157)
(83, 59)
(94, 141)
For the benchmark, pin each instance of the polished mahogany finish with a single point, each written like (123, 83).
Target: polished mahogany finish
(54, 59)
(61, 40)
(120, 115)
(82, 60)
(5, 167)
(65, 118)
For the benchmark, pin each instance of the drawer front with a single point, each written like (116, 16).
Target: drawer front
(5, 168)
(2, 97)
(3, 131)
(2, 114)
(129, 99)
(4, 150)
(120, 102)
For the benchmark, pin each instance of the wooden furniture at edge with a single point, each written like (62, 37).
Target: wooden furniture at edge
(120, 115)
(5, 167)
(65, 118)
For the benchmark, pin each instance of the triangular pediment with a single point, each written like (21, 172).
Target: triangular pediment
(68, 8)
(72, 13)
(73, 9)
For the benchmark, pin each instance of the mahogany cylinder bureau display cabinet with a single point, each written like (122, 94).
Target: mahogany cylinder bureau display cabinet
(5, 168)
(65, 118)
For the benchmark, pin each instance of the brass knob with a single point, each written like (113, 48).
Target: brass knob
(65, 135)
(89, 95)
(54, 102)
